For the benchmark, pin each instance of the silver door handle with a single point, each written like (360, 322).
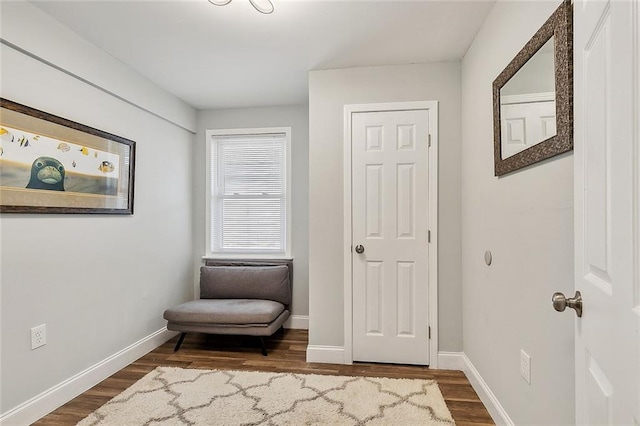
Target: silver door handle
(359, 249)
(560, 302)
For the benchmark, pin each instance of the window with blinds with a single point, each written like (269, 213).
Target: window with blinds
(248, 197)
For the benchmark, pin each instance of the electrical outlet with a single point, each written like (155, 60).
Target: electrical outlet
(525, 366)
(38, 336)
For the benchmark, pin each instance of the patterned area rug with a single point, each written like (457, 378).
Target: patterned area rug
(177, 396)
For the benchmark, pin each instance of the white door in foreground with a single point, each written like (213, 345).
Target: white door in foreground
(607, 121)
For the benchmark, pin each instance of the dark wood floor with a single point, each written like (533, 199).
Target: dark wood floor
(287, 352)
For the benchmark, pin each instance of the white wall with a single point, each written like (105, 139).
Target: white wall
(329, 91)
(99, 282)
(296, 117)
(526, 220)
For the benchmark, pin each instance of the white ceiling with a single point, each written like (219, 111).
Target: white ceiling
(232, 56)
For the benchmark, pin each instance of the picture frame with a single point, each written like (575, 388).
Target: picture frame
(49, 164)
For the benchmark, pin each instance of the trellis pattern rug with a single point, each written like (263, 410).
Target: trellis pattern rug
(177, 396)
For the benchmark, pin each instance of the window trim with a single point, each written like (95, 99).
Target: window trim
(211, 135)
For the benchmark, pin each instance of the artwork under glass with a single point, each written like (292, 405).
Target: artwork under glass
(52, 165)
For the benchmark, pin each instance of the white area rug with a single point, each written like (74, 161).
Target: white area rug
(177, 396)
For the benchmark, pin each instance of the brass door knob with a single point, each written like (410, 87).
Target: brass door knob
(560, 302)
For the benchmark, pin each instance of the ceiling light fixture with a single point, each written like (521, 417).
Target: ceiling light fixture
(262, 6)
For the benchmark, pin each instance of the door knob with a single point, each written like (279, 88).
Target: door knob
(359, 249)
(560, 302)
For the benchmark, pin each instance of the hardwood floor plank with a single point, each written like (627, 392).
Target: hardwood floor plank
(287, 353)
(470, 412)
(461, 392)
(474, 424)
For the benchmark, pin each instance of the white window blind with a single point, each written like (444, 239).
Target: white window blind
(248, 194)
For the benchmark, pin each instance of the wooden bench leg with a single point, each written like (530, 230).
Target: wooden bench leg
(180, 340)
(264, 348)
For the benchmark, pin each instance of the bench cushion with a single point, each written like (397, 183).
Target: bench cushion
(246, 282)
(225, 311)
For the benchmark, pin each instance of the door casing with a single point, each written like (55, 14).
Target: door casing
(349, 110)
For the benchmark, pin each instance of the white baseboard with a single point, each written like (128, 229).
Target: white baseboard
(487, 397)
(325, 354)
(300, 322)
(41, 405)
(460, 361)
(451, 361)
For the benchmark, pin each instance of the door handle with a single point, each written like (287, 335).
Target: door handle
(359, 249)
(560, 302)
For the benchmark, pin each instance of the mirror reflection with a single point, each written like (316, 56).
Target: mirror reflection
(528, 103)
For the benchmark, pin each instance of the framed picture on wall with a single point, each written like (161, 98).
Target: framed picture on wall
(49, 164)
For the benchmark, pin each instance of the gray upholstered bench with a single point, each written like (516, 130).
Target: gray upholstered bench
(249, 299)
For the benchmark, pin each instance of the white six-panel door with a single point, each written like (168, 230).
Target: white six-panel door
(606, 199)
(390, 221)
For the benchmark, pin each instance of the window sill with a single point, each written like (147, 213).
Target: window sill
(246, 257)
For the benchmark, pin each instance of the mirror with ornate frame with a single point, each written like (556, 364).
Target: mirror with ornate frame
(533, 98)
